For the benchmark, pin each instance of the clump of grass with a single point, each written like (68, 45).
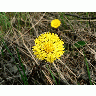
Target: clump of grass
(4, 21)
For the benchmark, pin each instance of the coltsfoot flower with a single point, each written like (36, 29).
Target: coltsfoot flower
(48, 47)
(55, 23)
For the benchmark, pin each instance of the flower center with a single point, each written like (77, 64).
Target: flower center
(48, 47)
(55, 24)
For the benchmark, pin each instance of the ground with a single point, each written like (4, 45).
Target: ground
(18, 32)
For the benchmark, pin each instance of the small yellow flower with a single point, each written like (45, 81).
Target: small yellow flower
(55, 23)
(48, 47)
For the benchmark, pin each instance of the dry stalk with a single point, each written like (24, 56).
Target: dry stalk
(92, 51)
(28, 30)
(27, 48)
(31, 27)
(48, 78)
(83, 20)
(67, 67)
(24, 52)
(34, 27)
(71, 78)
(83, 54)
(11, 74)
(59, 72)
(68, 21)
(86, 58)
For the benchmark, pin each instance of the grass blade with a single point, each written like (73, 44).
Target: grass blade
(52, 74)
(87, 69)
(22, 66)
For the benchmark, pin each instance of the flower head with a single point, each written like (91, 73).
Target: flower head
(48, 47)
(55, 23)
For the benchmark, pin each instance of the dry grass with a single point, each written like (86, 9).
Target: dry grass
(69, 70)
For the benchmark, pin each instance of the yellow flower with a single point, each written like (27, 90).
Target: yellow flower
(48, 47)
(55, 23)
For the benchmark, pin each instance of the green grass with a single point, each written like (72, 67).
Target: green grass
(2, 52)
(87, 69)
(87, 21)
(4, 21)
